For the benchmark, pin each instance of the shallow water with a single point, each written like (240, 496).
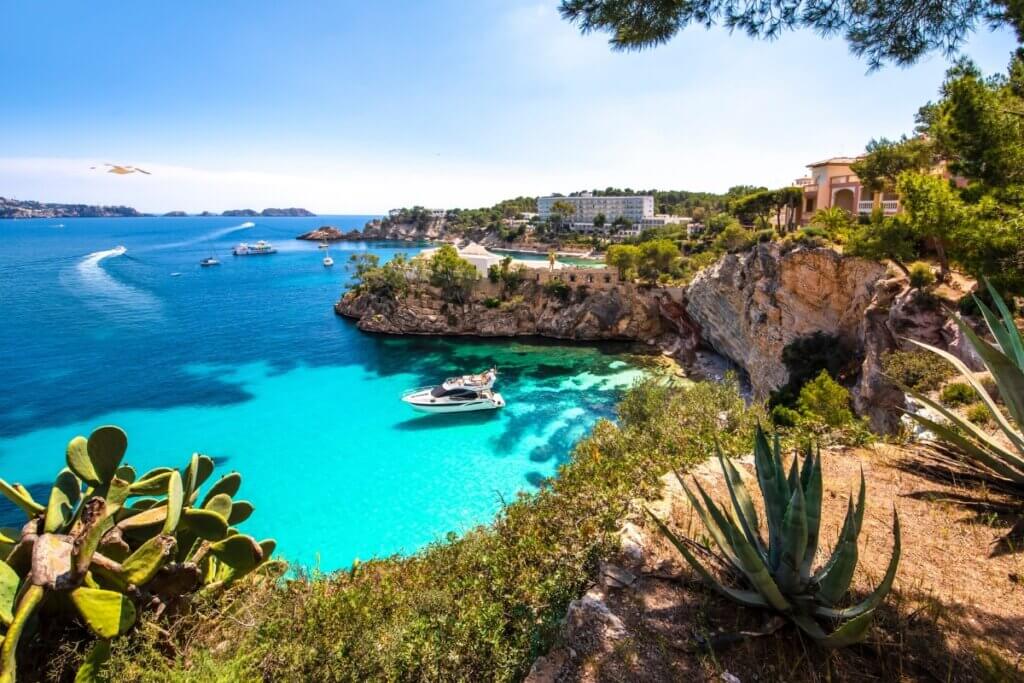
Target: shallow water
(248, 363)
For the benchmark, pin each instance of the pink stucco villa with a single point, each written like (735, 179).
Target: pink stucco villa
(832, 183)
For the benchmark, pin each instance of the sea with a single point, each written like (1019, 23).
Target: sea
(248, 363)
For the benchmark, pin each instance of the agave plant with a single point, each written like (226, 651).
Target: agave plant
(108, 544)
(779, 570)
(1001, 463)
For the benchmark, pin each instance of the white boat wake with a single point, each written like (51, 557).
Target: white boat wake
(216, 234)
(102, 291)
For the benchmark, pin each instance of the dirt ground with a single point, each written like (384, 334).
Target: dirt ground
(956, 612)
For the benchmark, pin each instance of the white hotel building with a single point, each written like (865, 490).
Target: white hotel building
(637, 209)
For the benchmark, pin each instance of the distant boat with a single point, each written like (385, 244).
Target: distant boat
(261, 248)
(328, 261)
(175, 274)
(209, 261)
(322, 245)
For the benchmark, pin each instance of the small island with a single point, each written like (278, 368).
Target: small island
(270, 213)
(329, 233)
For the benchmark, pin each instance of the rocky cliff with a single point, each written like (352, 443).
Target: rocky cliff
(750, 306)
(621, 312)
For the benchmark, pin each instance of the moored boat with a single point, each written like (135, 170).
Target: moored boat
(440, 400)
(209, 261)
(261, 248)
(457, 395)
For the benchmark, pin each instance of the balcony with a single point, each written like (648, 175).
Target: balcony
(804, 182)
(889, 206)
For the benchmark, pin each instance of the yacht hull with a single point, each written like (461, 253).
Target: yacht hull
(427, 404)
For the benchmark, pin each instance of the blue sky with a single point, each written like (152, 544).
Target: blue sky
(355, 107)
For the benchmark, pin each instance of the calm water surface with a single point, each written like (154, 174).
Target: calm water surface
(248, 363)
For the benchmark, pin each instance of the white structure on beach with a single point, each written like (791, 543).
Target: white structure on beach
(482, 259)
(479, 256)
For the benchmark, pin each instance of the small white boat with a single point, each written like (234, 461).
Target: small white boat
(261, 248)
(209, 261)
(322, 245)
(457, 395)
(328, 262)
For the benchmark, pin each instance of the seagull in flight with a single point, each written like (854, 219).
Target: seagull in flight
(123, 170)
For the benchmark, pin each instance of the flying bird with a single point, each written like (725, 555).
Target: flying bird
(123, 170)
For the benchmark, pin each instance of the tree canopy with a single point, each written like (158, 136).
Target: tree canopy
(880, 31)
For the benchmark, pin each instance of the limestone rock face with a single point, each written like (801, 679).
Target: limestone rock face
(750, 306)
(621, 312)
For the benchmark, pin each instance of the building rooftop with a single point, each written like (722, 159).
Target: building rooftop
(834, 160)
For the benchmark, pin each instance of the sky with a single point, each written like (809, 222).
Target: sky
(358, 107)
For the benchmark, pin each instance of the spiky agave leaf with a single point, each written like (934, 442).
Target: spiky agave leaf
(743, 505)
(794, 541)
(811, 480)
(833, 579)
(883, 588)
(743, 597)
(1012, 395)
(774, 490)
(744, 556)
(1004, 330)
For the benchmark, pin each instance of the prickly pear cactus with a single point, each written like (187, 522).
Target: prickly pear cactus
(109, 543)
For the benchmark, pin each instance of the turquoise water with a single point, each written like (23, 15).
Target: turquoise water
(248, 363)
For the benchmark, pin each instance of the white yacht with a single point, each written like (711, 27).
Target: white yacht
(259, 249)
(328, 261)
(323, 245)
(457, 395)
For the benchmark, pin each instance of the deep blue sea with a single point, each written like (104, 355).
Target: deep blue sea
(248, 363)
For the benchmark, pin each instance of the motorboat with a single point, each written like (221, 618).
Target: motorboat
(328, 262)
(457, 395)
(209, 261)
(261, 248)
(440, 400)
(322, 245)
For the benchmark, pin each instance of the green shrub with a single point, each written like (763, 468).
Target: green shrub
(826, 399)
(921, 275)
(957, 394)
(979, 414)
(734, 238)
(785, 417)
(558, 289)
(916, 369)
(805, 357)
(491, 302)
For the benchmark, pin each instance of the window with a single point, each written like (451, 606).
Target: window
(810, 205)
